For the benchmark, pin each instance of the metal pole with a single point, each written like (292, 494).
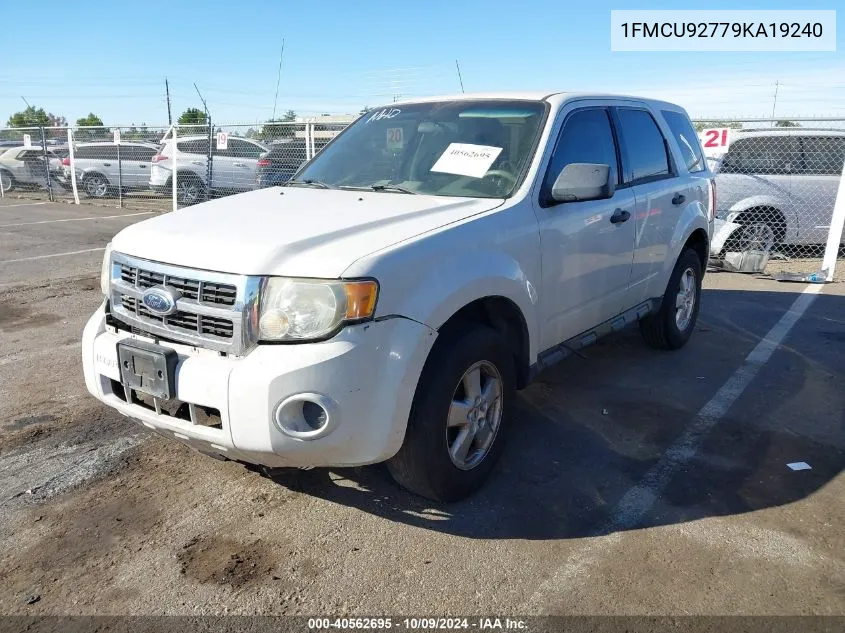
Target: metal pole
(834, 234)
(278, 79)
(119, 178)
(209, 172)
(173, 165)
(461, 79)
(46, 164)
(167, 90)
(72, 166)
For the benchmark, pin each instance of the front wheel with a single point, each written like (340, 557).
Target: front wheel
(672, 325)
(456, 429)
(96, 186)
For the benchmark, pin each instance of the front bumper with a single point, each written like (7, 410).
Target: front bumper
(367, 375)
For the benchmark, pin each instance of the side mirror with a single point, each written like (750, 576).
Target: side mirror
(583, 181)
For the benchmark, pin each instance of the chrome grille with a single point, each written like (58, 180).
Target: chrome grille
(215, 310)
(205, 291)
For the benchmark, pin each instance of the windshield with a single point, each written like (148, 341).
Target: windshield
(453, 148)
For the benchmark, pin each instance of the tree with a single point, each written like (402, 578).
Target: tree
(91, 120)
(784, 123)
(290, 115)
(30, 118)
(365, 109)
(192, 116)
(703, 125)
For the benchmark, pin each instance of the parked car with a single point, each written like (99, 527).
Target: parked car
(780, 185)
(103, 167)
(233, 169)
(386, 304)
(25, 166)
(283, 160)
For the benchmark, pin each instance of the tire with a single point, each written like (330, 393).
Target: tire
(429, 462)
(671, 326)
(762, 229)
(190, 190)
(96, 185)
(7, 181)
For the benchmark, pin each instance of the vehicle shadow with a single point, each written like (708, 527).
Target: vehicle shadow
(570, 460)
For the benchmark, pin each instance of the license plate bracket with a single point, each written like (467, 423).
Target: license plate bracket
(148, 368)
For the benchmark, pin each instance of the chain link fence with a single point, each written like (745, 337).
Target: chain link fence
(131, 167)
(776, 180)
(776, 187)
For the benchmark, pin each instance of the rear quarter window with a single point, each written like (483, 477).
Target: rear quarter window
(687, 140)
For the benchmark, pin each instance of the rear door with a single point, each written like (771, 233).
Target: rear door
(244, 161)
(814, 186)
(586, 257)
(193, 155)
(137, 166)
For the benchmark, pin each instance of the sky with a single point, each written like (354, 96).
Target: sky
(111, 58)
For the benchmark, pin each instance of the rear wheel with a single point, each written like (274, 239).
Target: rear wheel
(96, 186)
(672, 325)
(456, 429)
(189, 190)
(7, 181)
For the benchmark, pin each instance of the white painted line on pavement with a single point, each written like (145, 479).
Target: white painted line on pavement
(24, 204)
(100, 217)
(28, 259)
(637, 501)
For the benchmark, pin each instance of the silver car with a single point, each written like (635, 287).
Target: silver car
(780, 185)
(25, 166)
(103, 167)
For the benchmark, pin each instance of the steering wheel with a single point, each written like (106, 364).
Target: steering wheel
(501, 173)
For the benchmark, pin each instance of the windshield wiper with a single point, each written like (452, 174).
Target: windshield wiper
(393, 188)
(309, 183)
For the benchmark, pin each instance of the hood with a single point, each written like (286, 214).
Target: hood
(291, 231)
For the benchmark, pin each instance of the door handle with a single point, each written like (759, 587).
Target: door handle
(196, 162)
(106, 164)
(679, 199)
(239, 164)
(619, 216)
(142, 166)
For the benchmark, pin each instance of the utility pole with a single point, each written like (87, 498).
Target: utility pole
(775, 101)
(278, 79)
(167, 90)
(459, 75)
(209, 170)
(25, 101)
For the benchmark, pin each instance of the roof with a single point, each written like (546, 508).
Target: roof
(552, 96)
(789, 131)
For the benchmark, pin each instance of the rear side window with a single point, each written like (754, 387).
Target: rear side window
(645, 147)
(138, 152)
(586, 138)
(198, 146)
(687, 140)
(823, 155)
(771, 155)
(97, 152)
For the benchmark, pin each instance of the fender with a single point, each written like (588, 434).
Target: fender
(431, 277)
(693, 217)
(762, 200)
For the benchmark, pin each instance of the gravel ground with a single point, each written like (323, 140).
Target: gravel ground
(99, 516)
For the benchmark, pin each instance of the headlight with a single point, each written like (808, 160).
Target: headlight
(105, 271)
(305, 309)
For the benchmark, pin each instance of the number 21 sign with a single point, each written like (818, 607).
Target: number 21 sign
(715, 140)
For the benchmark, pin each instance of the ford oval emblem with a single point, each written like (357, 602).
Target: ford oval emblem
(160, 300)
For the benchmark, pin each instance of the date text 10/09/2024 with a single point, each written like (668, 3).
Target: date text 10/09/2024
(422, 624)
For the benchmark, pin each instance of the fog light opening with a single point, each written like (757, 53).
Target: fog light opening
(306, 416)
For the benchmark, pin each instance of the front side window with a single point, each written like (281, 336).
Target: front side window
(450, 148)
(586, 138)
(244, 149)
(645, 147)
(687, 140)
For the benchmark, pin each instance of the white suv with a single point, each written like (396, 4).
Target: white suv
(233, 169)
(386, 303)
(103, 167)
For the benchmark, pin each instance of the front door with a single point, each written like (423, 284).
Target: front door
(586, 249)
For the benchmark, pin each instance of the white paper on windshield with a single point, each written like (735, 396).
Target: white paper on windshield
(466, 159)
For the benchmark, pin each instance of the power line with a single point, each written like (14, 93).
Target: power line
(278, 78)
